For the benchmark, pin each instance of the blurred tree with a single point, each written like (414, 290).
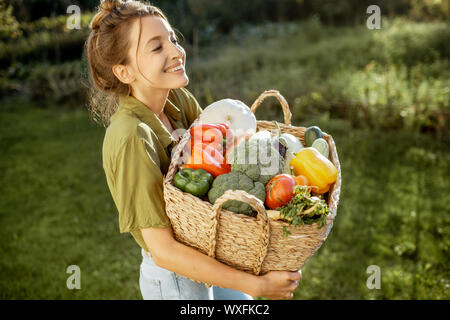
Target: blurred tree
(9, 27)
(430, 9)
(224, 14)
(30, 10)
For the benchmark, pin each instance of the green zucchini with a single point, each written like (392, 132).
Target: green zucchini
(321, 145)
(311, 134)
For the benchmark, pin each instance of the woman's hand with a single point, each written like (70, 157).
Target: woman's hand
(190, 263)
(279, 284)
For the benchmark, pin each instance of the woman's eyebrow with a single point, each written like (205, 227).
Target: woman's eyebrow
(158, 37)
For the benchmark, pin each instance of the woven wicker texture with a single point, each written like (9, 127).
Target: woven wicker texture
(254, 245)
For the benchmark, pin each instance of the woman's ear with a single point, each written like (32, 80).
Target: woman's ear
(122, 73)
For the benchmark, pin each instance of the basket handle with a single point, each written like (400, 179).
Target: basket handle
(336, 188)
(176, 161)
(281, 99)
(261, 217)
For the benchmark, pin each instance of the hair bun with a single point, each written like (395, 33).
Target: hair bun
(105, 7)
(109, 5)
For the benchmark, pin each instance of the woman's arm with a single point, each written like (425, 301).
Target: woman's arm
(190, 263)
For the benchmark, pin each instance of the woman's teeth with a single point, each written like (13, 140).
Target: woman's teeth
(175, 69)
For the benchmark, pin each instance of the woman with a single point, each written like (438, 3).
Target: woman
(135, 59)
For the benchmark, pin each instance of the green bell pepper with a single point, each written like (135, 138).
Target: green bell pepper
(193, 181)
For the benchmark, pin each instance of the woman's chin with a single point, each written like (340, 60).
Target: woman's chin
(182, 83)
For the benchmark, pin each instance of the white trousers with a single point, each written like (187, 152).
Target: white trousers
(157, 283)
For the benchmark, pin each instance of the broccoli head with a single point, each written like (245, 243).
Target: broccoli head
(257, 159)
(236, 181)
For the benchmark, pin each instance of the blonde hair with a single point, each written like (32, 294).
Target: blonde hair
(107, 45)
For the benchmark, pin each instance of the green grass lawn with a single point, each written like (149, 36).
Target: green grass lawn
(393, 213)
(56, 211)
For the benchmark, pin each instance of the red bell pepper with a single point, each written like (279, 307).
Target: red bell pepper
(224, 128)
(206, 133)
(206, 156)
(210, 132)
(191, 142)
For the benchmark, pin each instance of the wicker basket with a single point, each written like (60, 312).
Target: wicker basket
(254, 245)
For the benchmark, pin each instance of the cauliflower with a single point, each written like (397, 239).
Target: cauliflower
(257, 158)
(236, 181)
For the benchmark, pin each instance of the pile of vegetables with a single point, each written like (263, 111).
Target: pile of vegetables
(226, 153)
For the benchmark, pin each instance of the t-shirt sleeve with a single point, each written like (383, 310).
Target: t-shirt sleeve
(138, 188)
(192, 107)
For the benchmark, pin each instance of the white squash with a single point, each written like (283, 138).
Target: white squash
(294, 145)
(235, 113)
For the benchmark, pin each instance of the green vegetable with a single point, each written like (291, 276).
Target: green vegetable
(193, 181)
(304, 209)
(257, 158)
(236, 181)
(321, 145)
(311, 134)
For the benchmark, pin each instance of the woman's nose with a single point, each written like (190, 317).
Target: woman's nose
(177, 52)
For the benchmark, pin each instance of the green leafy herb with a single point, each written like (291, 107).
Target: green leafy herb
(304, 209)
(286, 232)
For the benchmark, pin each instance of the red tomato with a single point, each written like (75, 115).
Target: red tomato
(279, 191)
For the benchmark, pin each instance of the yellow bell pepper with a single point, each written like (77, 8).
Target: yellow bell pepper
(320, 171)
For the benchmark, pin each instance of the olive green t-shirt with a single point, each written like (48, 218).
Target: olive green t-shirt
(136, 156)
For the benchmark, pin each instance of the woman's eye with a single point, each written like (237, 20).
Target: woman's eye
(174, 40)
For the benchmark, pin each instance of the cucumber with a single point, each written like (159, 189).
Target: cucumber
(321, 145)
(311, 134)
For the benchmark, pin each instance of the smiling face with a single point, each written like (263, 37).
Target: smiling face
(160, 60)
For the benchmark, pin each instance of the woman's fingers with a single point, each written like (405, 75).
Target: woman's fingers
(282, 284)
(297, 275)
(293, 286)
